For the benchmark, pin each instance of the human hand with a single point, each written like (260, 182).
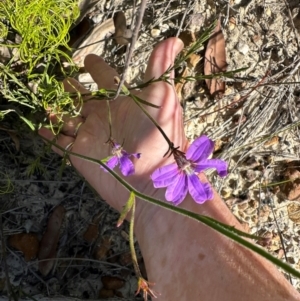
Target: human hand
(129, 124)
(162, 234)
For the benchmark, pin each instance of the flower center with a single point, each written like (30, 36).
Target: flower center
(185, 165)
(117, 151)
(188, 168)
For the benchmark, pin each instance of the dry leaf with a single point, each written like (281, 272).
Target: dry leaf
(122, 34)
(273, 141)
(50, 239)
(294, 212)
(215, 61)
(187, 37)
(91, 234)
(27, 243)
(112, 282)
(105, 293)
(101, 250)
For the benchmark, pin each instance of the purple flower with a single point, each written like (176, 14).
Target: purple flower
(181, 177)
(121, 157)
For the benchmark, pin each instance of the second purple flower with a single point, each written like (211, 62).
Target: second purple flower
(181, 177)
(121, 157)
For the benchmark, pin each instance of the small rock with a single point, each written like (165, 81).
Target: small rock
(155, 33)
(97, 18)
(268, 12)
(242, 47)
(5, 54)
(226, 192)
(33, 86)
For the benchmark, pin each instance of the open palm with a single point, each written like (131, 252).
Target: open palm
(129, 125)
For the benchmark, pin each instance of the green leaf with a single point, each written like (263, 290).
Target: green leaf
(29, 123)
(126, 209)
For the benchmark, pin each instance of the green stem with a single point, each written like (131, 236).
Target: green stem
(226, 230)
(131, 242)
(136, 100)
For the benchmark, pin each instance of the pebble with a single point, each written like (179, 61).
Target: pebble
(97, 18)
(268, 12)
(242, 47)
(155, 33)
(5, 54)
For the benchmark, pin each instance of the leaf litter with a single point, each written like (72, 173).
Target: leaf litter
(258, 103)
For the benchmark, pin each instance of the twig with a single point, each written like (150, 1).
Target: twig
(292, 22)
(181, 23)
(237, 103)
(132, 44)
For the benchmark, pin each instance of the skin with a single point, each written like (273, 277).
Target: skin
(185, 259)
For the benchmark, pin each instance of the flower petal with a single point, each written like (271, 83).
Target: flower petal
(200, 192)
(177, 191)
(164, 176)
(219, 165)
(112, 162)
(200, 149)
(136, 155)
(126, 166)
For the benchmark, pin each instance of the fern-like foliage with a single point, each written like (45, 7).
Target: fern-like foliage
(37, 33)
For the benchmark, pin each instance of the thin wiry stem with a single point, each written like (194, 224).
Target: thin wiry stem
(224, 229)
(132, 45)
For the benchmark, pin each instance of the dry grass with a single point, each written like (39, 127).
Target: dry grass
(260, 103)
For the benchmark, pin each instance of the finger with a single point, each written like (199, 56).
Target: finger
(61, 140)
(162, 57)
(101, 72)
(71, 125)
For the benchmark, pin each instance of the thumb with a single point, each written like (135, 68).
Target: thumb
(162, 57)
